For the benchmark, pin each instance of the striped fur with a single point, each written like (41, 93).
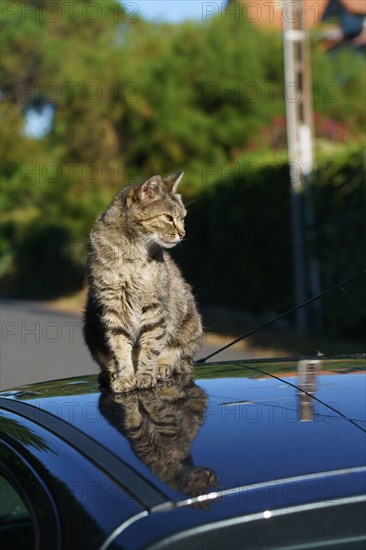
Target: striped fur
(161, 424)
(141, 321)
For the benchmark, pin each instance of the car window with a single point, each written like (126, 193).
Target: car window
(16, 530)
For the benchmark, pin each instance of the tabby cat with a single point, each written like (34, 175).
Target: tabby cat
(161, 424)
(141, 321)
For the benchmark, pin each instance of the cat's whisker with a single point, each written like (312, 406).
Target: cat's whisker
(182, 241)
(186, 204)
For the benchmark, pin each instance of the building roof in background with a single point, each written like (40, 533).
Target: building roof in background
(355, 6)
(269, 12)
(343, 19)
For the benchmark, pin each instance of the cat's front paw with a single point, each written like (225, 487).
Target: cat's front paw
(164, 372)
(145, 380)
(123, 385)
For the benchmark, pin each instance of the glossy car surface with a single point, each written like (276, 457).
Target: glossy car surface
(249, 454)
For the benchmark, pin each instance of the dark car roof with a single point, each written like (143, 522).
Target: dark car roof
(243, 423)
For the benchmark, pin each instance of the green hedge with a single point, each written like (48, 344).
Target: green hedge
(240, 247)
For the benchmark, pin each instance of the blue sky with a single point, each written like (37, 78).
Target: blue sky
(172, 11)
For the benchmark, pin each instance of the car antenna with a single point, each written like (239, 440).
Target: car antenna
(260, 327)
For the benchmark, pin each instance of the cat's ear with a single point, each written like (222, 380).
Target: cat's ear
(150, 189)
(171, 182)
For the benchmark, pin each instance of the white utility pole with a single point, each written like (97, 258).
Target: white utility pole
(299, 116)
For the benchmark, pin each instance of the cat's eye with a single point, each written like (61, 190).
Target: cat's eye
(169, 217)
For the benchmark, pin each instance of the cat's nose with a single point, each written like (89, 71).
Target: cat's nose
(181, 232)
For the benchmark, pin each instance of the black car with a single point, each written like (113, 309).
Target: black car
(255, 454)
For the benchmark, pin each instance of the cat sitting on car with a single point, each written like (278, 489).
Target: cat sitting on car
(141, 322)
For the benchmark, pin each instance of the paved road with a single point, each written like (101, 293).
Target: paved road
(42, 344)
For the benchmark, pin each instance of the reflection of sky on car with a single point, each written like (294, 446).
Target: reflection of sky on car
(262, 423)
(342, 397)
